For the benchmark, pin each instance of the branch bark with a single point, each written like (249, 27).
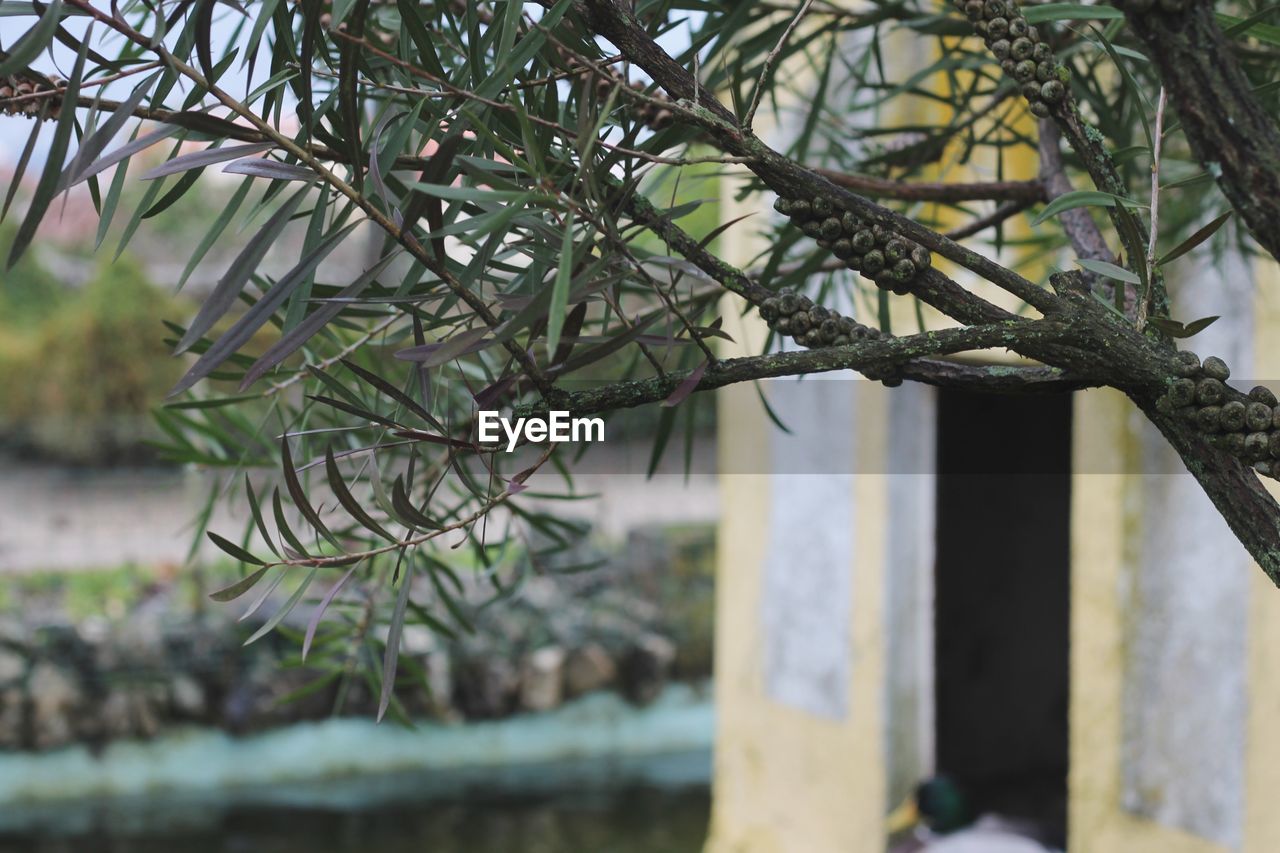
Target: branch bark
(1230, 133)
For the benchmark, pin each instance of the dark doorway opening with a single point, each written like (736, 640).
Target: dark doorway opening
(1002, 581)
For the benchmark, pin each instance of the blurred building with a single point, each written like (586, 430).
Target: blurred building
(1031, 594)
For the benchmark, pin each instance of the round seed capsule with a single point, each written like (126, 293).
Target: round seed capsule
(1257, 446)
(1234, 444)
(800, 323)
(1018, 27)
(873, 262)
(864, 240)
(849, 222)
(841, 341)
(782, 325)
(846, 325)
(1257, 417)
(788, 303)
(1188, 364)
(782, 205)
(812, 227)
(830, 329)
(994, 9)
(1182, 392)
(811, 338)
(1210, 392)
(973, 10)
(904, 270)
(830, 228)
(818, 315)
(1045, 71)
(1007, 64)
(842, 249)
(1273, 445)
(1264, 468)
(1263, 395)
(1021, 49)
(800, 209)
(1039, 109)
(1231, 418)
(980, 27)
(921, 258)
(997, 27)
(1031, 90)
(1207, 418)
(1024, 70)
(1042, 53)
(1190, 414)
(769, 309)
(1000, 48)
(896, 250)
(1053, 91)
(1216, 368)
(822, 207)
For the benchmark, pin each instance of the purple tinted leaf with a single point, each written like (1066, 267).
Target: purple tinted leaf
(207, 157)
(240, 333)
(273, 169)
(317, 320)
(392, 656)
(318, 614)
(238, 274)
(686, 386)
(464, 343)
(126, 151)
(239, 588)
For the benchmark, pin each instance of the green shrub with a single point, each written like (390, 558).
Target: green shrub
(79, 379)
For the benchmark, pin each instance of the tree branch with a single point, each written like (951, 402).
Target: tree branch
(1021, 191)
(1014, 334)
(1230, 133)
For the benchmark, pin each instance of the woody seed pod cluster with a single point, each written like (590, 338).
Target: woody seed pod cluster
(1021, 53)
(1245, 425)
(877, 252)
(652, 115)
(813, 326)
(15, 87)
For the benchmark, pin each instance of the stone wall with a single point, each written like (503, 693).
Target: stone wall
(630, 626)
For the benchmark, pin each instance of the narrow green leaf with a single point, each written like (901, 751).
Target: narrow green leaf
(391, 656)
(35, 40)
(238, 274)
(240, 587)
(1082, 198)
(46, 188)
(1108, 270)
(285, 609)
(233, 549)
(243, 329)
(1195, 239)
(560, 289)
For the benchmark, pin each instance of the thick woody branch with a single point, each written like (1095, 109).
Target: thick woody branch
(873, 187)
(1231, 134)
(863, 355)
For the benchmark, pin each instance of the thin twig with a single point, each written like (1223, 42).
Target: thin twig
(768, 64)
(1144, 304)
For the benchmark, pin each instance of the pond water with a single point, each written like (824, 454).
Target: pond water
(647, 805)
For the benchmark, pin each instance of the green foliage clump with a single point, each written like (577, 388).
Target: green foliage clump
(81, 368)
